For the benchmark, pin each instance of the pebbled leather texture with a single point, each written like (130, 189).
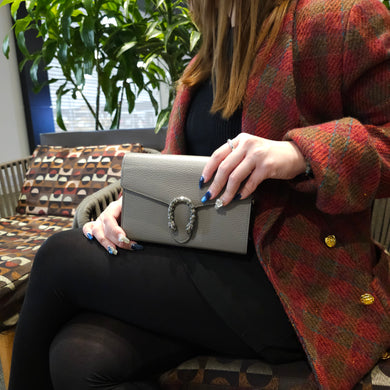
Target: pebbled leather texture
(151, 182)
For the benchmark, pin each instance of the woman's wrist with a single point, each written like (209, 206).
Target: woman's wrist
(301, 164)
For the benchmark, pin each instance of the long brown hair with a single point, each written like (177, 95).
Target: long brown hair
(256, 21)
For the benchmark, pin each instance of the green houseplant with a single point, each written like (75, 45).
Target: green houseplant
(130, 49)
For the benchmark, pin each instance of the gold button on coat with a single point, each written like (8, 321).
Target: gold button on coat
(367, 299)
(386, 356)
(330, 241)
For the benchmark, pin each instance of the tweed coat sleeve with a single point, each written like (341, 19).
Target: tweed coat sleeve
(343, 71)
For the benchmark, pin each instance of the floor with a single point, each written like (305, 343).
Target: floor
(2, 386)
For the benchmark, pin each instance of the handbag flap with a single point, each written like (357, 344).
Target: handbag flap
(156, 176)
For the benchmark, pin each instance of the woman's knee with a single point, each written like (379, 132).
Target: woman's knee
(89, 352)
(60, 248)
(95, 350)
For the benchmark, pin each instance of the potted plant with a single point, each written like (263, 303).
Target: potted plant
(130, 49)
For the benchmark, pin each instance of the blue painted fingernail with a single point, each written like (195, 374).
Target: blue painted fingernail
(237, 197)
(89, 236)
(137, 247)
(201, 182)
(206, 197)
(112, 251)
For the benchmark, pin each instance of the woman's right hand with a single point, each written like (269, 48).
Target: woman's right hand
(107, 231)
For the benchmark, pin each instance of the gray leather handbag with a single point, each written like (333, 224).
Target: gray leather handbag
(162, 204)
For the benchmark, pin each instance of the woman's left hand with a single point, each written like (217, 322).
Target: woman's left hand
(253, 160)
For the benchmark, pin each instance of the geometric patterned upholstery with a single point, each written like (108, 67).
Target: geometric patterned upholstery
(59, 178)
(219, 373)
(20, 238)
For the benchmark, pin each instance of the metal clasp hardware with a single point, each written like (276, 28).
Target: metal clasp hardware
(171, 218)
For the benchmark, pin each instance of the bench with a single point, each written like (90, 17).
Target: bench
(39, 196)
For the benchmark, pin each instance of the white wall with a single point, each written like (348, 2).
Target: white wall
(13, 133)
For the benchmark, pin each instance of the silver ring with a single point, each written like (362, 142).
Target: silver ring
(230, 143)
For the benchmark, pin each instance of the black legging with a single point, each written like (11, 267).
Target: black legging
(93, 320)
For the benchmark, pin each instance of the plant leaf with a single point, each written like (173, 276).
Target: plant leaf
(159, 3)
(87, 32)
(66, 21)
(153, 30)
(30, 4)
(162, 119)
(6, 46)
(88, 65)
(194, 39)
(130, 97)
(115, 121)
(63, 53)
(34, 70)
(49, 50)
(152, 99)
(171, 29)
(138, 78)
(21, 25)
(60, 92)
(79, 74)
(20, 39)
(5, 2)
(88, 4)
(23, 63)
(127, 46)
(14, 8)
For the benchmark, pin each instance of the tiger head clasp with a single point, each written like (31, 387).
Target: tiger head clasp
(171, 218)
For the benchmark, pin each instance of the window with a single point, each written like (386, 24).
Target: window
(77, 117)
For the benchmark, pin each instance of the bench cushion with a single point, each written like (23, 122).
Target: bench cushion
(20, 238)
(59, 178)
(213, 373)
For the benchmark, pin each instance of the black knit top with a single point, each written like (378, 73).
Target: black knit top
(205, 132)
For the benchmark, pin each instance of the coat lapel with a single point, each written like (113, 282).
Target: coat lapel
(269, 111)
(269, 108)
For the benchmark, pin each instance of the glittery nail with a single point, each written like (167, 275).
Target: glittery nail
(237, 197)
(123, 239)
(112, 251)
(218, 204)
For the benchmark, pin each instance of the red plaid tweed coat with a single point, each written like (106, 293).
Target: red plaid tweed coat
(326, 87)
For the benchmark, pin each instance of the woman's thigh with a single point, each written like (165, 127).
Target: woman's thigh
(150, 289)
